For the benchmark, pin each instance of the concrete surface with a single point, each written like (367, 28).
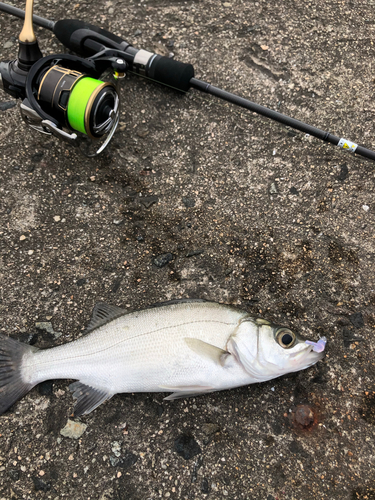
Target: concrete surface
(253, 214)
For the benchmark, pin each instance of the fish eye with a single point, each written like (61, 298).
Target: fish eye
(285, 338)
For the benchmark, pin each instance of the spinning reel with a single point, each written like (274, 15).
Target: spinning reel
(63, 95)
(64, 92)
(66, 95)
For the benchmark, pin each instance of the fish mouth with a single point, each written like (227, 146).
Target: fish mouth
(306, 357)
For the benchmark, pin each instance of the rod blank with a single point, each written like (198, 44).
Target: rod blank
(279, 117)
(39, 21)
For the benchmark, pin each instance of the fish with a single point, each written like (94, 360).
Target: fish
(183, 347)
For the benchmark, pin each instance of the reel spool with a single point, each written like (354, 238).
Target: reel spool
(78, 101)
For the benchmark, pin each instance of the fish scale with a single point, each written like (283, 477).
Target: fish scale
(186, 347)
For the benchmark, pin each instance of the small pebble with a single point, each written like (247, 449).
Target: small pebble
(209, 428)
(163, 259)
(116, 448)
(191, 253)
(57, 218)
(7, 105)
(148, 201)
(128, 460)
(14, 474)
(273, 189)
(188, 202)
(40, 485)
(205, 487)
(73, 430)
(114, 461)
(47, 326)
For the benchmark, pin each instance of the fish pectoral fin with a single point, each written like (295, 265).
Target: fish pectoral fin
(207, 350)
(186, 391)
(102, 314)
(88, 398)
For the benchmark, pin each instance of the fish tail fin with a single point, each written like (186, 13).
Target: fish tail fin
(12, 385)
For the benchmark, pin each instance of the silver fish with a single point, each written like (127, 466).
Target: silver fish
(186, 347)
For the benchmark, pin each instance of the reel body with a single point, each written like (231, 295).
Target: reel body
(66, 98)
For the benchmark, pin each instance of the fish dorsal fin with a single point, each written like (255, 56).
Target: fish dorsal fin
(88, 398)
(207, 350)
(102, 314)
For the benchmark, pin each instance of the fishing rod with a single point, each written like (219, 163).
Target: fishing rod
(67, 95)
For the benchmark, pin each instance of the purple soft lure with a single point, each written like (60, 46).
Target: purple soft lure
(318, 346)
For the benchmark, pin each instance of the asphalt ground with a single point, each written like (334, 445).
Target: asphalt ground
(197, 198)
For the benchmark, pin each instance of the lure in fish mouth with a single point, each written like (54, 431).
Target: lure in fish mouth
(185, 347)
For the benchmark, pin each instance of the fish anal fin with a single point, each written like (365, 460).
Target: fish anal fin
(102, 314)
(88, 398)
(206, 350)
(186, 391)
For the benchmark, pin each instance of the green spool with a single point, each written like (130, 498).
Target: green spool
(79, 100)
